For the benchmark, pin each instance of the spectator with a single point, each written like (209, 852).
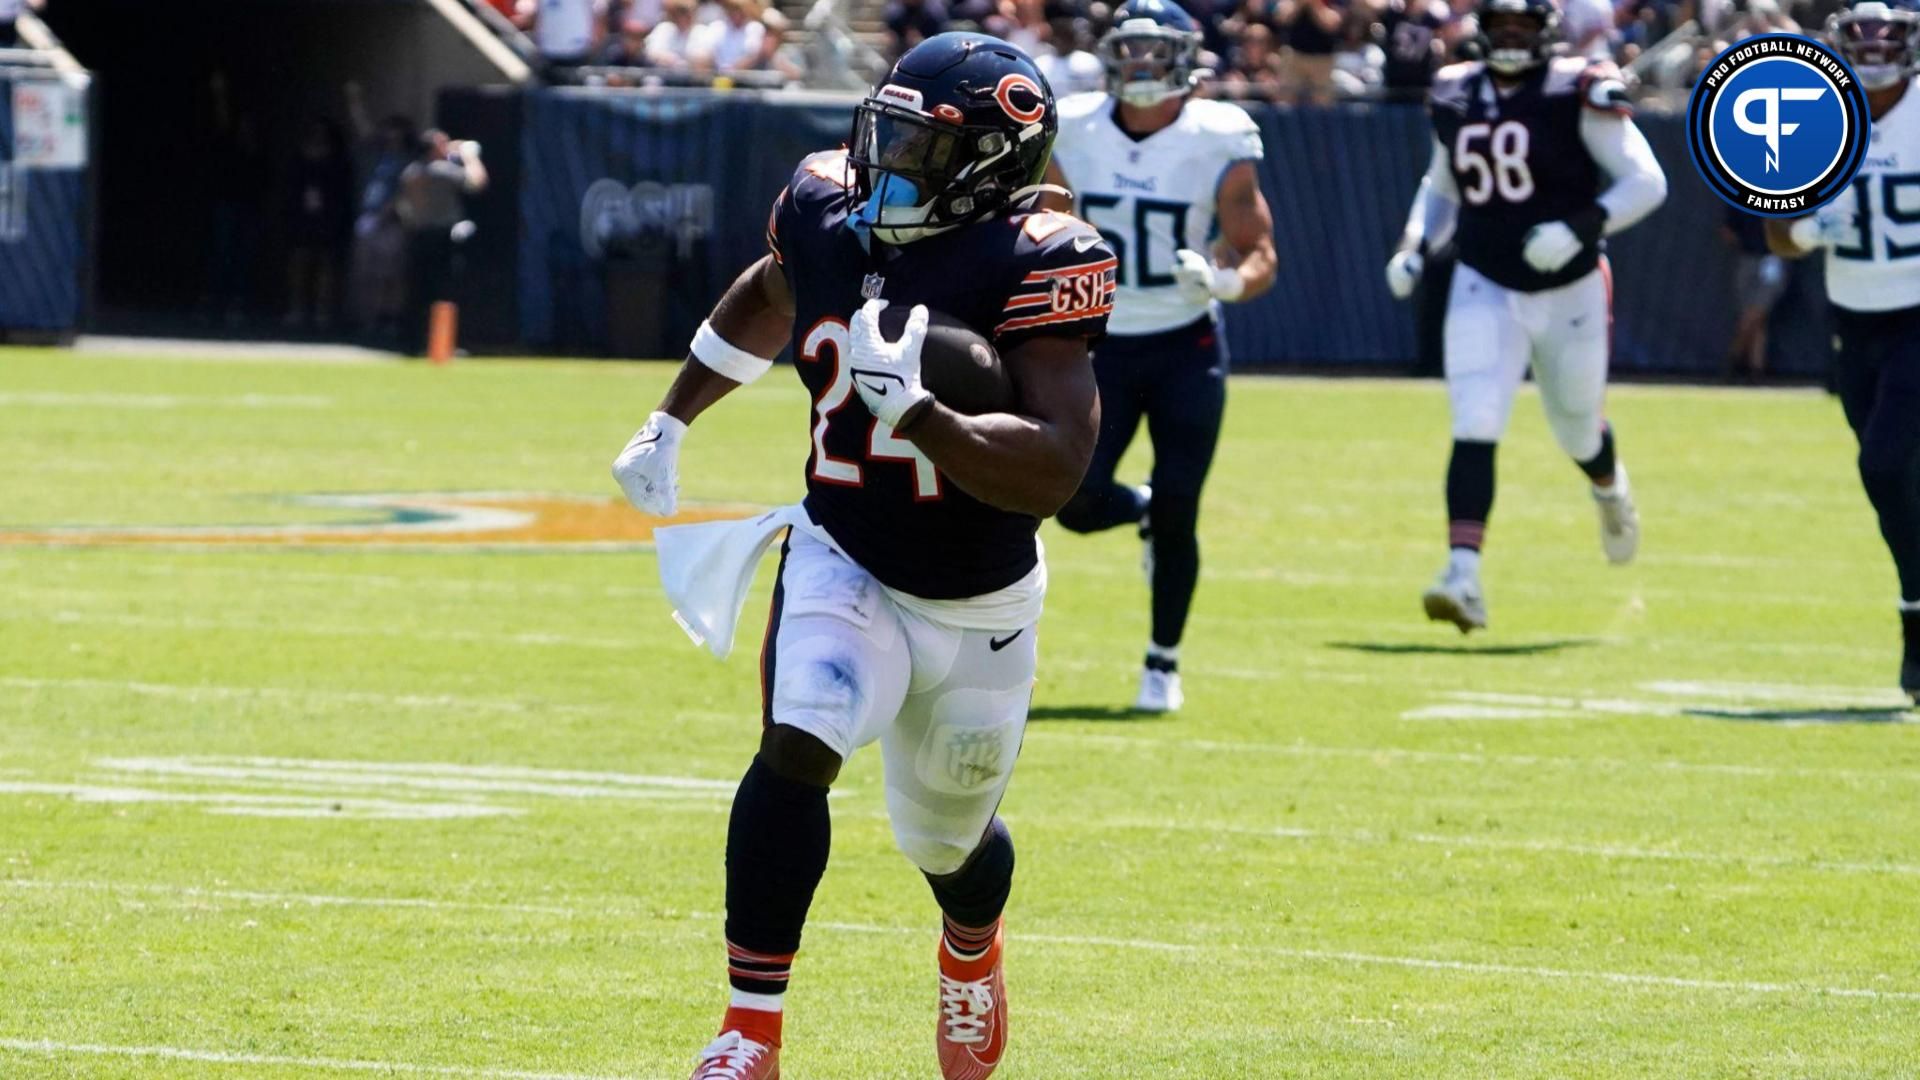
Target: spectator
(734, 42)
(1069, 63)
(432, 207)
(319, 216)
(566, 31)
(628, 48)
(10, 12)
(239, 177)
(1759, 280)
(376, 276)
(775, 54)
(1256, 70)
(671, 45)
(1588, 26)
(1313, 29)
(912, 21)
(1024, 23)
(1409, 34)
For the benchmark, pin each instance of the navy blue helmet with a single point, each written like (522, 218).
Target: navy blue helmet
(1877, 40)
(1517, 35)
(960, 130)
(1152, 53)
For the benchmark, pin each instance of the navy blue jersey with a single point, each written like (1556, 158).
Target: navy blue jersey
(1407, 34)
(1518, 160)
(1010, 278)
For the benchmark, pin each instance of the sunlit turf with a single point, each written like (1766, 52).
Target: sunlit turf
(315, 812)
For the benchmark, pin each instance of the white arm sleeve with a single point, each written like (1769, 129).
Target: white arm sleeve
(1638, 185)
(1435, 206)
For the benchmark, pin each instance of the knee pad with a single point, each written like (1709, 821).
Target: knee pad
(1478, 423)
(934, 855)
(976, 892)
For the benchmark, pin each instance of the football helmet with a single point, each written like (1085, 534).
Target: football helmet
(960, 130)
(1152, 53)
(1516, 36)
(1877, 40)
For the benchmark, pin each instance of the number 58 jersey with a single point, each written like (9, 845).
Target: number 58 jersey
(1518, 160)
(1150, 197)
(1011, 279)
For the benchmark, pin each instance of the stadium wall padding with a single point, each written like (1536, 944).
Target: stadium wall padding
(639, 207)
(43, 238)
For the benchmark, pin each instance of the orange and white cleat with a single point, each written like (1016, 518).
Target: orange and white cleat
(973, 1014)
(733, 1056)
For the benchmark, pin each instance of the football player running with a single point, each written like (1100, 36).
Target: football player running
(911, 577)
(1871, 237)
(1157, 170)
(1535, 161)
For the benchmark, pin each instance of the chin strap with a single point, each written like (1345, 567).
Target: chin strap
(1034, 191)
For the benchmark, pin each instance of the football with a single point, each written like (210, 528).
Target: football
(956, 363)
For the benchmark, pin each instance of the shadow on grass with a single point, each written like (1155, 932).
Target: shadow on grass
(1088, 712)
(1410, 648)
(1871, 714)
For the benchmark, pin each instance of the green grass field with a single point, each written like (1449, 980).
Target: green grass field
(341, 810)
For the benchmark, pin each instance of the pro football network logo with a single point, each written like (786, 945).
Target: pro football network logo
(1777, 125)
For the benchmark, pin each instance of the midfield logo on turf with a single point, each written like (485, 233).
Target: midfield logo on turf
(497, 520)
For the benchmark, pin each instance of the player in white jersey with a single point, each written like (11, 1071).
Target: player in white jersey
(1165, 177)
(1871, 237)
(1535, 160)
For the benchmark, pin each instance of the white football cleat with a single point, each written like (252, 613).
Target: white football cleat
(1159, 692)
(1619, 521)
(1455, 597)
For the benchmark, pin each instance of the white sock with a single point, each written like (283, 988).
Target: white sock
(762, 1002)
(1465, 559)
(1909, 605)
(1170, 654)
(1618, 487)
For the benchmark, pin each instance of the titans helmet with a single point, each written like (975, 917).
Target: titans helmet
(1151, 53)
(1517, 36)
(1877, 40)
(960, 130)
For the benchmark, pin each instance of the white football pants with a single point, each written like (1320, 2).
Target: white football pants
(1494, 333)
(846, 664)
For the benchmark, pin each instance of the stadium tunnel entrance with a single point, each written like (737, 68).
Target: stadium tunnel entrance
(202, 107)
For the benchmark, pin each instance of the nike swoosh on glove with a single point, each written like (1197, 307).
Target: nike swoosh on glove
(648, 470)
(1200, 281)
(1550, 246)
(887, 373)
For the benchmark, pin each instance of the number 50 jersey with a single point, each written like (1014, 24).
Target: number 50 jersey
(1151, 197)
(1518, 159)
(1012, 279)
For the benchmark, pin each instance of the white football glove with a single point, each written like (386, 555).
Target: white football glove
(1200, 281)
(1403, 272)
(887, 373)
(648, 470)
(1824, 228)
(1550, 246)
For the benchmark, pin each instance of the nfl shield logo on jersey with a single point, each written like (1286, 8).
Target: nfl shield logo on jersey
(871, 285)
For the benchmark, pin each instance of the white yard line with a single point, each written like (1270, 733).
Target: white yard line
(248, 805)
(1346, 957)
(288, 899)
(44, 398)
(295, 627)
(344, 697)
(410, 776)
(50, 1048)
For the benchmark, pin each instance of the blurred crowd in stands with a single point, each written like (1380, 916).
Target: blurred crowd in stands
(1274, 50)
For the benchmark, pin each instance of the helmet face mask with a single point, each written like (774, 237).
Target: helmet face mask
(1877, 42)
(1517, 36)
(961, 130)
(1151, 53)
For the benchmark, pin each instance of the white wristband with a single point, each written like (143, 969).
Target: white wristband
(726, 358)
(1227, 284)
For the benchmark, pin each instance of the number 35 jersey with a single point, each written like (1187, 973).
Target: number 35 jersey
(1518, 160)
(1012, 279)
(1151, 197)
(1876, 264)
